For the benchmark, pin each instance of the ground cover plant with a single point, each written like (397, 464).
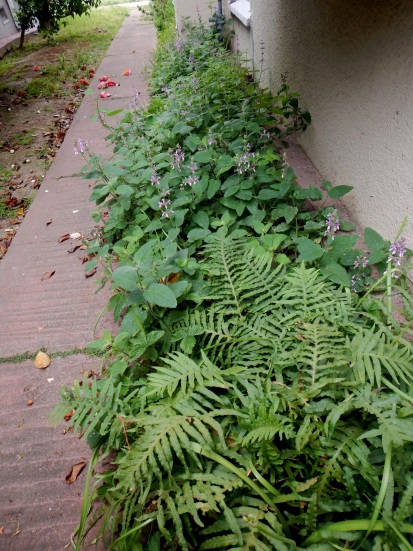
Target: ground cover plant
(41, 88)
(258, 394)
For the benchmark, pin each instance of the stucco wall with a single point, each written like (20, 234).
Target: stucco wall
(192, 9)
(352, 62)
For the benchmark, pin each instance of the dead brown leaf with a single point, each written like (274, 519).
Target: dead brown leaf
(75, 472)
(42, 360)
(1, 530)
(64, 237)
(17, 531)
(73, 249)
(48, 275)
(69, 415)
(91, 272)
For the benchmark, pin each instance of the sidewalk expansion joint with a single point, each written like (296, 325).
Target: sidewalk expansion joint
(20, 358)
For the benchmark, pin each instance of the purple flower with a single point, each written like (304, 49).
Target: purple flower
(246, 161)
(155, 179)
(361, 261)
(397, 251)
(178, 157)
(265, 134)
(164, 204)
(81, 146)
(332, 223)
(354, 281)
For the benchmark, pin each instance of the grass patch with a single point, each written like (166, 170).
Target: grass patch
(82, 41)
(5, 173)
(19, 358)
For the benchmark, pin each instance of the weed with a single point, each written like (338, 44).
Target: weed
(5, 173)
(23, 138)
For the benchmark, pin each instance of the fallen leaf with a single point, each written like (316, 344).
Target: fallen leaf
(42, 360)
(1, 530)
(73, 249)
(75, 472)
(75, 235)
(49, 222)
(29, 402)
(91, 272)
(127, 73)
(83, 247)
(47, 275)
(69, 415)
(64, 237)
(20, 211)
(17, 531)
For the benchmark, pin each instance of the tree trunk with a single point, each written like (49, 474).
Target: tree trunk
(22, 33)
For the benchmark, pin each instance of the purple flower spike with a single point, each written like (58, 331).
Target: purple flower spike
(332, 223)
(397, 251)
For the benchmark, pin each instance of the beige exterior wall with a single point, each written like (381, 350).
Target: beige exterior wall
(352, 62)
(192, 9)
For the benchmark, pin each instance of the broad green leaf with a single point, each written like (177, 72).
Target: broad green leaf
(347, 226)
(337, 273)
(161, 295)
(378, 256)
(338, 191)
(118, 367)
(198, 233)
(267, 194)
(203, 156)
(201, 218)
(308, 250)
(192, 142)
(374, 240)
(284, 211)
(179, 287)
(311, 192)
(125, 277)
(213, 187)
(273, 240)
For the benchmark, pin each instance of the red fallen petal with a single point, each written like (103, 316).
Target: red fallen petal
(102, 85)
(103, 79)
(127, 73)
(104, 95)
(91, 74)
(84, 81)
(36, 68)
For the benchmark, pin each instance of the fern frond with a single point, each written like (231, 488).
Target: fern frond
(318, 353)
(375, 355)
(182, 372)
(405, 508)
(258, 528)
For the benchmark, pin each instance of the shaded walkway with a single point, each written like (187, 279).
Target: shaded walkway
(38, 509)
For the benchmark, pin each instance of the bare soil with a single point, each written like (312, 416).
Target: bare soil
(32, 130)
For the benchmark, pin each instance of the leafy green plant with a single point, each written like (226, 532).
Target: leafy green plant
(258, 393)
(286, 381)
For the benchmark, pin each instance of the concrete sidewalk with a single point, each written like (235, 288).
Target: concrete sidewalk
(38, 509)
